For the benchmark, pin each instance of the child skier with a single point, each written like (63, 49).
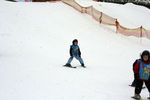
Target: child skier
(142, 74)
(75, 52)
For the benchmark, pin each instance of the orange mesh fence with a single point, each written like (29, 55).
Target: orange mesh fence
(129, 32)
(88, 10)
(96, 14)
(105, 19)
(145, 33)
(78, 6)
(70, 2)
(73, 4)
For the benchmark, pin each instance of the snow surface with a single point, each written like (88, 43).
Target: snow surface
(35, 40)
(129, 15)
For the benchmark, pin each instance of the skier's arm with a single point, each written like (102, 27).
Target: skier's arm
(79, 52)
(134, 64)
(136, 68)
(71, 51)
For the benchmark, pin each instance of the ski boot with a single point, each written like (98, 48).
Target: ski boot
(83, 65)
(68, 65)
(137, 97)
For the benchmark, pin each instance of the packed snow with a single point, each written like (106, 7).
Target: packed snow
(35, 40)
(129, 15)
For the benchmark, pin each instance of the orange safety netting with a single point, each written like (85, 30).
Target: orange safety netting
(108, 20)
(95, 0)
(105, 19)
(73, 4)
(96, 14)
(88, 10)
(145, 33)
(129, 32)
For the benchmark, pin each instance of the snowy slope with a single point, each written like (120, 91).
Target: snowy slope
(35, 40)
(129, 15)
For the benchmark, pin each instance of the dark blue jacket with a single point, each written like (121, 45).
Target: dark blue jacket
(75, 50)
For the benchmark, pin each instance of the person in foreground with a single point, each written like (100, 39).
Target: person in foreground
(142, 74)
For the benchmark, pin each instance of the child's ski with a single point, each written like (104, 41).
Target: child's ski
(136, 98)
(142, 87)
(69, 66)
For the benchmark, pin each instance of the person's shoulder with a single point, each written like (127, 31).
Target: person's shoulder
(138, 61)
(71, 46)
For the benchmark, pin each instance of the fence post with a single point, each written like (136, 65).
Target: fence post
(141, 34)
(101, 17)
(117, 24)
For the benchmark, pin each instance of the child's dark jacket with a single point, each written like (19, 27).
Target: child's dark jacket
(75, 50)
